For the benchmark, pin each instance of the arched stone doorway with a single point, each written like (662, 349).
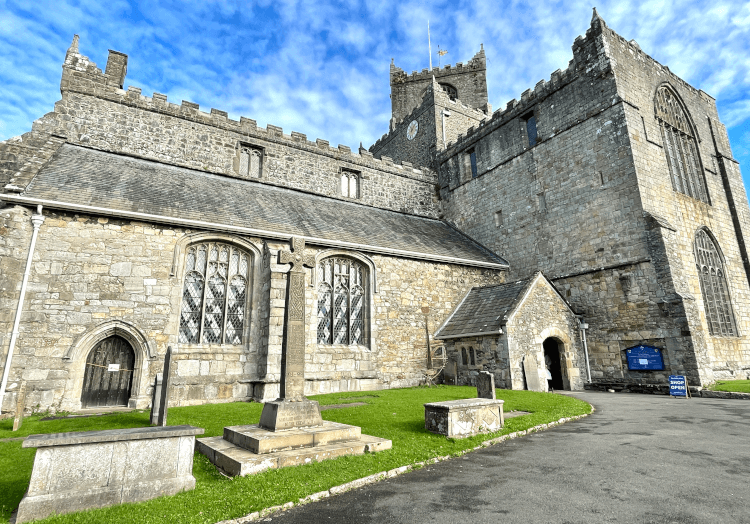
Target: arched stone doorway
(108, 378)
(553, 350)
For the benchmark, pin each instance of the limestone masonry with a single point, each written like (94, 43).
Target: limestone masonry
(599, 212)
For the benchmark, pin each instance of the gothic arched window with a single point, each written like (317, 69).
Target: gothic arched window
(679, 146)
(250, 162)
(714, 287)
(450, 90)
(215, 294)
(342, 295)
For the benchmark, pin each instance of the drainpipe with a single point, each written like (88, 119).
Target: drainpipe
(583, 326)
(36, 220)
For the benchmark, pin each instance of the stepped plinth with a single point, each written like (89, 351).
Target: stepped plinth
(291, 430)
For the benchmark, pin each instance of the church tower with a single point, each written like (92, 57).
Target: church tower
(433, 108)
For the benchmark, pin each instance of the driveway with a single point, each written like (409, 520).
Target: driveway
(638, 458)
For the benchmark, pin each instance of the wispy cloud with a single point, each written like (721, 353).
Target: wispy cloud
(321, 68)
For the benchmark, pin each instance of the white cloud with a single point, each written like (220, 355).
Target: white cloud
(321, 68)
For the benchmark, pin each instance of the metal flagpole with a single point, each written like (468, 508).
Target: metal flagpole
(429, 45)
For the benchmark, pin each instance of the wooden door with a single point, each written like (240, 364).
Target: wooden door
(109, 374)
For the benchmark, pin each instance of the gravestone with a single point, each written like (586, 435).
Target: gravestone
(292, 409)
(531, 372)
(165, 383)
(156, 400)
(20, 406)
(486, 385)
(450, 373)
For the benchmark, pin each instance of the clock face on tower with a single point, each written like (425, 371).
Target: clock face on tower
(411, 131)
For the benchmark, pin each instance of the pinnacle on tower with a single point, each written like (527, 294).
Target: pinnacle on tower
(73, 46)
(596, 18)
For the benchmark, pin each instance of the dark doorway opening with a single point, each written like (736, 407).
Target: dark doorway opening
(109, 374)
(552, 362)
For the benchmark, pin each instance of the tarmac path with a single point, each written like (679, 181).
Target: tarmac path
(638, 458)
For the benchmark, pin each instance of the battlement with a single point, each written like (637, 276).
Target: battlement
(81, 75)
(541, 90)
(430, 98)
(477, 63)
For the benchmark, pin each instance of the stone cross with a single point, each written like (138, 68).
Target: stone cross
(293, 359)
(166, 382)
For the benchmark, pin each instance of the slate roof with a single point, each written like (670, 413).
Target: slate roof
(484, 310)
(76, 176)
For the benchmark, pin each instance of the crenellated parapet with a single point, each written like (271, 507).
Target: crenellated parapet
(82, 76)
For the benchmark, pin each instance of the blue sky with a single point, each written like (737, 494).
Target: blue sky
(321, 68)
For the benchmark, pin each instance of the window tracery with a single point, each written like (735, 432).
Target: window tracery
(350, 184)
(215, 294)
(714, 288)
(341, 301)
(250, 162)
(679, 146)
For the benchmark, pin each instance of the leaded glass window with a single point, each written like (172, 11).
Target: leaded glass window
(215, 294)
(679, 146)
(714, 287)
(341, 301)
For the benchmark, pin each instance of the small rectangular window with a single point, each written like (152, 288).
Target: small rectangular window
(531, 134)
(498, 218)
(473, 161)
(542, 203)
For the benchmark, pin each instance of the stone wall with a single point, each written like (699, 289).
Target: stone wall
(726, 216)
(93, 277)
(184, 135)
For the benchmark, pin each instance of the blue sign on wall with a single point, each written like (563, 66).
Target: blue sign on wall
(645, 357)
(677, 386)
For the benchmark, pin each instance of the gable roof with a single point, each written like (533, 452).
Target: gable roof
(484, 310)
(97, 182)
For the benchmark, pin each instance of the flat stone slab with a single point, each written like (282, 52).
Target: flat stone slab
(109, 435)
(261, 441)
(236, 461)
(465, 417)
(93, 469)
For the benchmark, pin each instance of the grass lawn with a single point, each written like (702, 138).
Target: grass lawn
(738, 386)
(396, 414)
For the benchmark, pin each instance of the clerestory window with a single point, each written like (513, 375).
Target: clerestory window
(350, 184)
(714, 287)
(679, 146)
(342, 294)
(250, 162)
(214, 298)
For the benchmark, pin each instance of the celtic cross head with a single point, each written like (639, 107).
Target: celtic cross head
(298, 257)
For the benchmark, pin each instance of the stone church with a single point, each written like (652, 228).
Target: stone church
(599, 218)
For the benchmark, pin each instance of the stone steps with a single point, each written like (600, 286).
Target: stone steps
(246, 450)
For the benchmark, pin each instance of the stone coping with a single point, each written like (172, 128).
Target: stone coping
(464, 403)
(109, 435)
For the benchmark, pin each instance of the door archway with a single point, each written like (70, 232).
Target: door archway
(553, 362)
(108, 377)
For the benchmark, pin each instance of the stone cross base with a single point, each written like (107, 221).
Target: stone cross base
(286, 414)
(246, 450)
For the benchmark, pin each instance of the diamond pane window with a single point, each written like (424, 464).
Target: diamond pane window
(214, 298)
(679, 146)
(341, 302)
(714, 288)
